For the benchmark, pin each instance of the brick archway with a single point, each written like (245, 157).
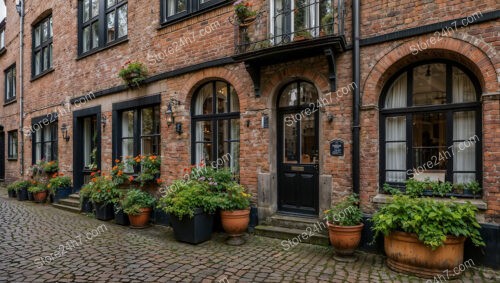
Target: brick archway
(453, 49)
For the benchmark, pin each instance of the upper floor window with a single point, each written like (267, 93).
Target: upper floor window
(42, 46)
(175, 9)
(10, 84)
(431, 126)
(2, 38)
(102, 22)
(12, 145)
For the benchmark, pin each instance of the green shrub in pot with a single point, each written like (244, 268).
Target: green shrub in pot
(136, 199)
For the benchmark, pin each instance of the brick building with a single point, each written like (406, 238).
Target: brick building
(304, 114)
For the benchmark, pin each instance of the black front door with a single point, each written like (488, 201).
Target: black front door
(87, 148)
(298, 155)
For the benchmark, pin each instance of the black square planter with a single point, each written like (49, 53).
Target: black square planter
(62, 193)
(22, 194)
(121, 218)
(103, 211)
(161, 217)
(12, 194)
(193, 230)
(30, 196)
(86, 205)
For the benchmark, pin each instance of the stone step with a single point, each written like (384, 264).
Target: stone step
(74, 196)
(70, 202)
(66, 207)
(301, 223)
(291, 235)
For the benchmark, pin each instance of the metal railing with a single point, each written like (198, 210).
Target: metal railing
(289, 21)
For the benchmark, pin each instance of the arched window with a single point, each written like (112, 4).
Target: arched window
(431, 125)
(216, 126)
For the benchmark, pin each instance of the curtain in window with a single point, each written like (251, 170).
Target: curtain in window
(463, 89)
(395, 128)
(396, 96)
(464, 147)
(87, 142)
(203, 102)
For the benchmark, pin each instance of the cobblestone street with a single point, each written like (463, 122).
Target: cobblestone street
(112, 253)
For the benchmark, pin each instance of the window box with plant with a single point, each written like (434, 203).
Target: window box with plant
(244, 13)
(415, 188)
(133, 73)
(59, 186)
(344, 222)
(423, 236)
(138, 205)
(39, 192)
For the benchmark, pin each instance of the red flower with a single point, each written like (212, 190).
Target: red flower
(92, 174)
(131, 178)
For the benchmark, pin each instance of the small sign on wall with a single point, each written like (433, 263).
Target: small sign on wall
(337, 148)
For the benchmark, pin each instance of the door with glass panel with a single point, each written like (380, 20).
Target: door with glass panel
(87, 149)
(298, 154)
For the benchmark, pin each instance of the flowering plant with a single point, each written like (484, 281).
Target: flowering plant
(136, 199)
(149, 168)
(51, 166)
(234, 197)
(243, 11)
(133, 73)
(103, 190)
(59, 181)
(118, 172)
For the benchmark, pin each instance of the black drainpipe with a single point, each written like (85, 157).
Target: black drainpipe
(356, 74)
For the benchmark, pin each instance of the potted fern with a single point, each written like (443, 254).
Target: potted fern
(133, 73)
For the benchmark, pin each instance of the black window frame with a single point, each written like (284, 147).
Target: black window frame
(44, 123)
(13, 85)
(214, 118)
(48, 44)
(2, 31)
(11, 154)
(448, 108)
(193, 7)
(101, 18)
(136, 106)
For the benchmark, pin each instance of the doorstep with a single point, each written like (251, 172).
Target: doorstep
(310, 230)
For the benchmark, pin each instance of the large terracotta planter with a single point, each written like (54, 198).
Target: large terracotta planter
(345, 239)
(40, 196)
(235, 222)
(407, 254)
(140, 220)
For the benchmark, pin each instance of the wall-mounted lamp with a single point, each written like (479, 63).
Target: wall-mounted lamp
(104, 120)
(329, 117)
(19, 7)
(64, 131)
(178, 128)
(170, 114)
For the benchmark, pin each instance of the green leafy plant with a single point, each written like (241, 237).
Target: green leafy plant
(303, 33)
(19, 185)
(346, 212)
(234, 197)
(86, 191)
(474, 187)
(37, 189)
(429, 219)
(133, 73)
(59, 182)
(416, 188)
(184, 196)
(391, 190)
(118, 172)
(136, 199)
(441, 188)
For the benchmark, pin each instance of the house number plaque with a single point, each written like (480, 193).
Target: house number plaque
(337, 148)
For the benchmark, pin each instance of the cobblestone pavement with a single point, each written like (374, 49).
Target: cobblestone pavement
(113, 253)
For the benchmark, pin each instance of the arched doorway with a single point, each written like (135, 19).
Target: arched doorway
(298, 154)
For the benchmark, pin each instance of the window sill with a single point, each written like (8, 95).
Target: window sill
(10, 102)
(48, 71)
(164, 24)
(479, 203)
(2, 51)
(12, 159)
(89, 53)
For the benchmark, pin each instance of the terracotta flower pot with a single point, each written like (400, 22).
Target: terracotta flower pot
(140, 220)
(345, 239)
(407, 254)
(40, 196)
(235, 222)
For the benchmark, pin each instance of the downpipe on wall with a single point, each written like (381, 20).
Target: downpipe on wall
(21, 85)
(356, 74)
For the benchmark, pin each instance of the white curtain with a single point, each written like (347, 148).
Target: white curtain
(87, 141)
(463, 89)
(204, 94)
(396, 96)
(395, 150)
(464, 130)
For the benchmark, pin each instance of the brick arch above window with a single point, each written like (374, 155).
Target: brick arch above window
(448, 48)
